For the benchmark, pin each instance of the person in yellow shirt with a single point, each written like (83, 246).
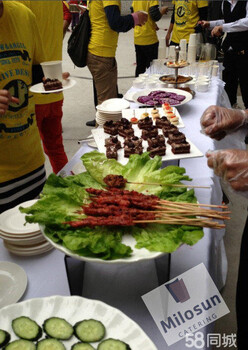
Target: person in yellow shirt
(106, 23)
(184, 19)
(49, 18)
(22, 172)
(145, 37)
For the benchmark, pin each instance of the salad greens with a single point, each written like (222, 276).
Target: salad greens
(62, 199)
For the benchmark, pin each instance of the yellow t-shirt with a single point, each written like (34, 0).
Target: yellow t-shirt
(146, 34)
(20, 145)
(186, 18)
(49, 19)
(103, 41)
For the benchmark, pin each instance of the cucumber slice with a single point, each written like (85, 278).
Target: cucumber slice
(20, 344)
(58, 328)
(89, 330)
(113, 344)
(82, 346)
(50, 344)
(26, 328)
(4, 338)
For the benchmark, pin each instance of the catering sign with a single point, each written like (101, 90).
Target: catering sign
(185, 304)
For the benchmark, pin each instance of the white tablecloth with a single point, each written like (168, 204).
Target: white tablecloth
(122, 285)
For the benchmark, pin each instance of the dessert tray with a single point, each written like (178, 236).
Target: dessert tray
(39, 88)
(170, 79)
(100, 136)
(74, 309)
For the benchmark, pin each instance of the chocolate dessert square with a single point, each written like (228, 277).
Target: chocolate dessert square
(52, 84)
(130, 141)
(179, 148)
(176, 138)
(110, 127)
(145, 123)
(113, 141)
(162, 122)
(111, 152)
(169, 129)
(124, 121)
(148, 134)
(158, 151)
(156, 141)
(135, 150)
(125, 131)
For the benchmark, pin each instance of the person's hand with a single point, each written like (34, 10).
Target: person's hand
(204, 24)
(142, 17)
(164, 10)
(5, 99)
(217, 121)
(232, 166)
(217, 31)
(65, 75)
(167, 39)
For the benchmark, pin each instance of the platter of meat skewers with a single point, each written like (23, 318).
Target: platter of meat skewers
(98, 216)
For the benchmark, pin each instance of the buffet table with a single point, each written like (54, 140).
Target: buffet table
(123, 285)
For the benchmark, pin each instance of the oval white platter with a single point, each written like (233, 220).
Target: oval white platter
(188, 96)
(137, 254)
(74, 309)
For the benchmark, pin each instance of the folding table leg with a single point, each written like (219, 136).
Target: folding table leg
(75, 274)
(163, 265)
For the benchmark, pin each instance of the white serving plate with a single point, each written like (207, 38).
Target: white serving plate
(13, 283)
(137, 112)
(113, 105)
(100, 137)
(29, 250)
(39, 88)
(74, 309)
(137, 255)
(188, 96)
(12, 221)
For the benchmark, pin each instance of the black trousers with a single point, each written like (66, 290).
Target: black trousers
(236, 72)
(242, 293)
(144, 56)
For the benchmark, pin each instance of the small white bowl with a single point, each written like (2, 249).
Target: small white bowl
(151, 84)
(202, 86)
(143, 75)
(191, 84)
(139, 84)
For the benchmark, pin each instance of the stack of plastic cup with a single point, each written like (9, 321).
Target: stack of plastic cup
(183, 50)
(192, 48)
(172, 54)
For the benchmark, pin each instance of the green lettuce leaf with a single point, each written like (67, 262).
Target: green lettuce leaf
(98, 166)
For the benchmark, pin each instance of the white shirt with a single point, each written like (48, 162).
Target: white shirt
(240, 25)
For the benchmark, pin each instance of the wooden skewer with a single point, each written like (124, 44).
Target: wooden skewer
(194, 204)
(173, 185)
(189, 222)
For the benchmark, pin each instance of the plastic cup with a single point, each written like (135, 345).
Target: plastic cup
(191, 54)
(183, 45)
(215, 70)
(192, 39)
(52, 69)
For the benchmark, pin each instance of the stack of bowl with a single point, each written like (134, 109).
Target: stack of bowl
(21, 238)
(110, 110)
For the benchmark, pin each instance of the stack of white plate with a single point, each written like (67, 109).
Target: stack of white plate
(19, 237)
(110, 110)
